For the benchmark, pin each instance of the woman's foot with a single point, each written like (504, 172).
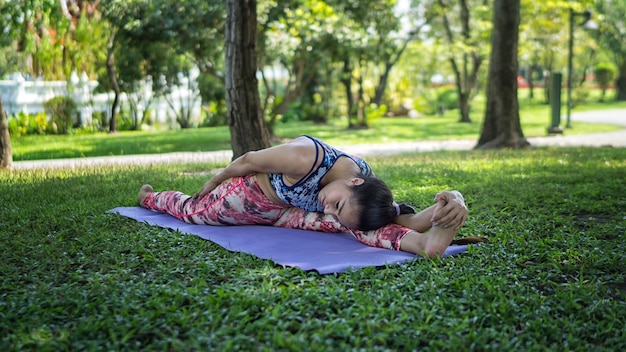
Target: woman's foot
(143, 193)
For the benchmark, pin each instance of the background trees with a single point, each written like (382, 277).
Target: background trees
(612, 36)
(464, 25)
(317, 59)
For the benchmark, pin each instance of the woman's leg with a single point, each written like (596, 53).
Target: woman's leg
(389, 236)
(239, 201)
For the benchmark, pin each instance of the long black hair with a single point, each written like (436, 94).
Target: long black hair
(375, 200)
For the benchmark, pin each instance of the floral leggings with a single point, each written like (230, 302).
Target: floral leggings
(240, 201)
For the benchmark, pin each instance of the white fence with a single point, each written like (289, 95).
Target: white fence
(28, 96)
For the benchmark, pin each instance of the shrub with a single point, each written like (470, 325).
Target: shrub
(375, 113)
(215, 114)
(62, 111)
(582, 94)
(605, 73)
(23, 124)
(447, 98)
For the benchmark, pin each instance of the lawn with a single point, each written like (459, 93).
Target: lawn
(534, 118)
(551, 278)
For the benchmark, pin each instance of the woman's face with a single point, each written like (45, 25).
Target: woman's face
(336, 197)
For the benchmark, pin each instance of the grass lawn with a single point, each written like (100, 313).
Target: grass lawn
(552, 278)
(534, 118)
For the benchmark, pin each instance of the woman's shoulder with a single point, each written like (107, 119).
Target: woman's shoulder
(302, 144)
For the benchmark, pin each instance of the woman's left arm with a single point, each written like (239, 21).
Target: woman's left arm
(449, 211)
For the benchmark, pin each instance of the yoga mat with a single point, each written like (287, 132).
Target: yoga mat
(308, 250)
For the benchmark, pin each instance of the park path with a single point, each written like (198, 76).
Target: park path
(614, 139)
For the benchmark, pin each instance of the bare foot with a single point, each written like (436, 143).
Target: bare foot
(143, 193)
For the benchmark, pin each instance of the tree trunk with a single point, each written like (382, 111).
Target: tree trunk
(531, 83)
(248, 130)
(113, 79)
(346, 80)
(6, 157)
(390, 61)
(379, 92)
(501, 128)
(620, 83)
(464, 106)
(465, 76)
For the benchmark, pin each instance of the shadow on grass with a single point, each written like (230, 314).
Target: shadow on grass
(77, 278)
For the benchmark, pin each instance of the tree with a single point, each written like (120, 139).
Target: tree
(296, 36)
(6, 157)
(613, 37)
(112, 75)
(150, 39)
(604, 76)
(502, 127)
(542, 40)
(463, 30)
(245, 118)
(378, 45)
(54, 37)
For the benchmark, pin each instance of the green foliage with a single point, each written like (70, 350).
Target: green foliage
(62, 111)
(215, 114)
(375, 113)
(582, 94)
(605, 73)
(534, 119)
(23, 124)
(447, 97)
(552, 278)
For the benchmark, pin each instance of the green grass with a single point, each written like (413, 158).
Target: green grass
(552, 278)
(534, 118)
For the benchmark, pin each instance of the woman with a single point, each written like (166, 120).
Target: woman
(307, 184)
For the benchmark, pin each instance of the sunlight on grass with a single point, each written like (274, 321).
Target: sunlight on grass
(77, 278)
(535, 119)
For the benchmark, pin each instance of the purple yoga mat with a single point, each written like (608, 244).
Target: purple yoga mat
(308, 250)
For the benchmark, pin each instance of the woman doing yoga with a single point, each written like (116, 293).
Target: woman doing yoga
(307, 184)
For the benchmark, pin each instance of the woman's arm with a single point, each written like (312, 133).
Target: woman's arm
(449, 211)
(293, 159)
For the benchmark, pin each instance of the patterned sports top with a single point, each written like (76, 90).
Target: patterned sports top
(303, 194)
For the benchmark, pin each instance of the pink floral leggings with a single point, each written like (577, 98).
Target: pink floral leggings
(240, 201)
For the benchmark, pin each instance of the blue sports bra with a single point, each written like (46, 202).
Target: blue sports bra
(303, 194)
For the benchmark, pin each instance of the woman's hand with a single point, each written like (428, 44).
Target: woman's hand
(450, 210)
(206, 189)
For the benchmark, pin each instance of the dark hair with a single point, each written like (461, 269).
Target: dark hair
(375, 200)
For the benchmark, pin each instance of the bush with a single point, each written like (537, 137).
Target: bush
(375, 113)
(581, 95)
(215, 114)
(125, 121)
(437, 100)
(447, 98)
(62, 111)
(23, 124)
(605, 73)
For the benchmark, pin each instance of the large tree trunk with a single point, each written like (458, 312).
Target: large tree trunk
(248, 130)
(501, 128)
(113, 79)
(6, 157)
